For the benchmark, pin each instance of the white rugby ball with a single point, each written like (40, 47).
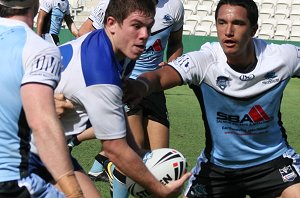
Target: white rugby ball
(165, 164)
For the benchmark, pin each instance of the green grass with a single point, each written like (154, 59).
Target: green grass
(187, 132)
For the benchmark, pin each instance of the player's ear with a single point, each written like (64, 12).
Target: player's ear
(111, 24)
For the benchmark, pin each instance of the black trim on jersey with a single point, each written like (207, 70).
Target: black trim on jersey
(177, 72)
(208, 140)
(24, 134)
(153, 33)
(40, 83)
(280, 124)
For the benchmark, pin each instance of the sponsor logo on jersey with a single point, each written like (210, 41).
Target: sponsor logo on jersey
(270, 77)
(255, 115)
(287, 174)
(156, 47)
(247, 77)
(184, 62)
(222, 82)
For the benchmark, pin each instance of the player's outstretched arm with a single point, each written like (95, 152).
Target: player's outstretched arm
(129, 163)
(161, 79)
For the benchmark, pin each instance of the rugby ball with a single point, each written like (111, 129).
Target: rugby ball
(165, 164)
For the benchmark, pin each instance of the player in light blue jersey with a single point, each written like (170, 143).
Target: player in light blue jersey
(92, 79)
(30, 69)
(239, 82)
(50, 17)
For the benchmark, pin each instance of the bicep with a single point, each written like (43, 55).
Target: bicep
(38, 102)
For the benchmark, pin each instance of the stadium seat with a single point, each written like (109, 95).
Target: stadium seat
(193, 3)
(268, 4)
(282, 13)
(207, 21)
(202, 30)
(282, 35)
(188, 29)
(268, 24)
(203, 10)
(189, 10)
(284, 24)
(295, 5)
(295, 15)
(266, 13)
(266, 34)
(193, 20)
(295, 36)
(209, 3)
(283, 4)
(295, 26)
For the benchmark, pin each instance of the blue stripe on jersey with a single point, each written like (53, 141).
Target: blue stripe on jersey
(14, 131)
(239, 131)
(99, 63)
(67, 54)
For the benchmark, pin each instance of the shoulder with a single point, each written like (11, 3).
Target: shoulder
(35, 45)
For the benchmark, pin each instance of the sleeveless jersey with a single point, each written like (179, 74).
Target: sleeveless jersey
(57, 10)
(25, 58)
(92, 80)
(241, 112)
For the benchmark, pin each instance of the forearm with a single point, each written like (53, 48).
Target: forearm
(72, 27)
(131, 165)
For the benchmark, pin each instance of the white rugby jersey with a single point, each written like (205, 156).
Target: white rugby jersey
(25, 58)
(57, 10)
(241, 112)
(92, 80)
(168, 18)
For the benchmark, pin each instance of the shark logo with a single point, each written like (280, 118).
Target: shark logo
(222, 82)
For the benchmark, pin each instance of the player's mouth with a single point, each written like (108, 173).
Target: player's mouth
(229, 43)
(140, 48)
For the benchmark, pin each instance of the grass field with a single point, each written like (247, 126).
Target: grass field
(187, 132)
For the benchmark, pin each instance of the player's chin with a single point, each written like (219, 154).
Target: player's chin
(134, 54)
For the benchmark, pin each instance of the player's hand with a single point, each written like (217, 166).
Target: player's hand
(176, 187)
(161, 64)
(61, 104)
(134, 91)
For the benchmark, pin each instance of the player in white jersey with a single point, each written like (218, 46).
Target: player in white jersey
(50, 18)
(30, 69)
(94, 67)
(239, 82)
(149, 121)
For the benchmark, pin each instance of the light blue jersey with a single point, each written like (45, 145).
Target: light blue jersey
(24, 58)
(241, 112)
(168, 18)
(57, 10)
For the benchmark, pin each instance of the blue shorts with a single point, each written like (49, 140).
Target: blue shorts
(31, 186)
(37, 166)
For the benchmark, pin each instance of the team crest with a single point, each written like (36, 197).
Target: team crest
(198, 191)
(287, 174)
(222, 82)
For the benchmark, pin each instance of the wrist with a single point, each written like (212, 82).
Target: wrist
(69, 185)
